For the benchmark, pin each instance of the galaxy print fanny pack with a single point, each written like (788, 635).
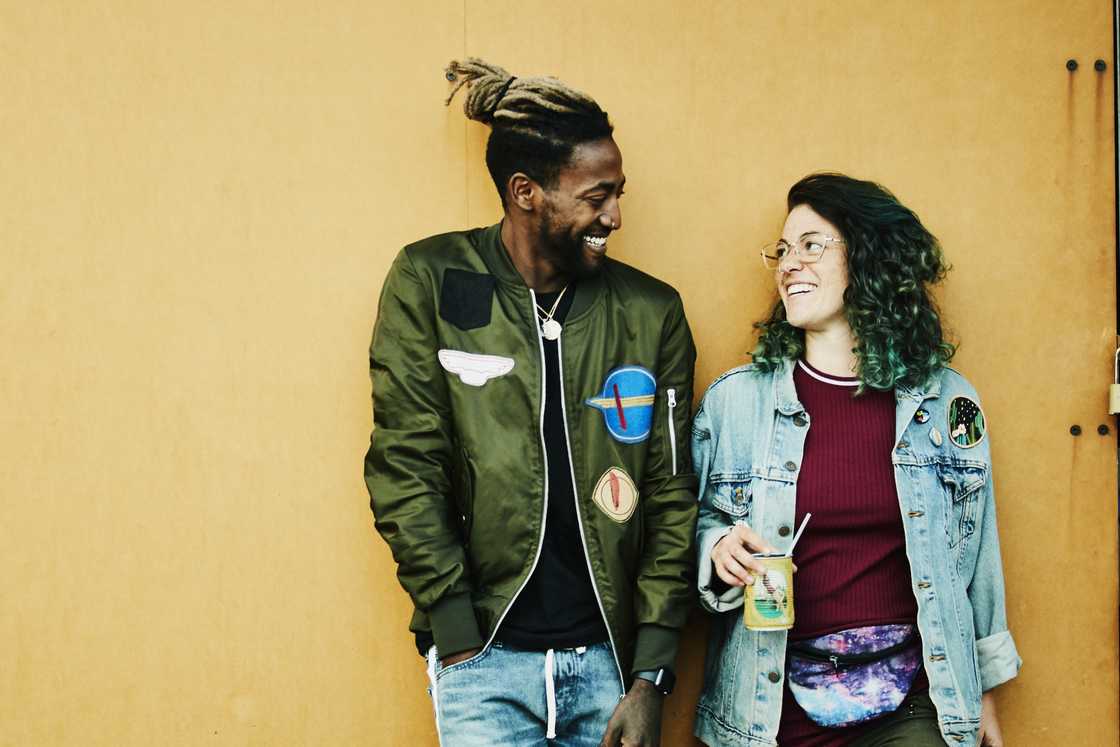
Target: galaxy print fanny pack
(854, 675)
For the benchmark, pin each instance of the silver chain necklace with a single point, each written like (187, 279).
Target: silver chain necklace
(550, 328)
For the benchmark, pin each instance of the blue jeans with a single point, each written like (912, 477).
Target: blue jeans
(505, 696)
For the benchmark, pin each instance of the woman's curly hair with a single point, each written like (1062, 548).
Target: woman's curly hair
(892, 262)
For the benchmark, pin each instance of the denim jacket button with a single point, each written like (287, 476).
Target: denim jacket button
(903, 444)
(783, 531)
(774, 677)
(791, 466)
(800, 421)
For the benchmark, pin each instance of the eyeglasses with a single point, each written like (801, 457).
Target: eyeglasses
(808, 249)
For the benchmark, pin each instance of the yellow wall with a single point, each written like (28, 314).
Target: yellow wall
(198, 203)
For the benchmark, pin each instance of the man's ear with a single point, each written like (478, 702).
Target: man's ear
(523, 192)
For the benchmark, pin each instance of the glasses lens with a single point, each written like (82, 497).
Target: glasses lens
(772, 254)
(811, 247)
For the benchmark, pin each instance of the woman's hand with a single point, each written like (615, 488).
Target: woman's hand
(989, 724)
(732, 557)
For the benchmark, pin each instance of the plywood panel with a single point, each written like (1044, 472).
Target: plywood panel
(199, 203)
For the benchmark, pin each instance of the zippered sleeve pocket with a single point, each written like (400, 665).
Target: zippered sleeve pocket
(675, 419)
(671, 396)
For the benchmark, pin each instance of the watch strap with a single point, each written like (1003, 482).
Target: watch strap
(663, 679)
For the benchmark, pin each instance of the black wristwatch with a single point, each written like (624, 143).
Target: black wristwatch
(663, 679)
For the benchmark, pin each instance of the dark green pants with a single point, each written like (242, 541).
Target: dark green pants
(914, 724)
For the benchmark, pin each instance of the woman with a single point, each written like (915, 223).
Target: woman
(849, 412)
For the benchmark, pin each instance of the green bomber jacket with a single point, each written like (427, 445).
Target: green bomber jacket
(456, 467)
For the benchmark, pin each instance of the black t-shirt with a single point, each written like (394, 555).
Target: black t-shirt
(557, 608)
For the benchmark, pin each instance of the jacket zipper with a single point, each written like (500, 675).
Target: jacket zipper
(544, 456)
(579, 514)
(672, 395)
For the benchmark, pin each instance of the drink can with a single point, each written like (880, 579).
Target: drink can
(768, 603)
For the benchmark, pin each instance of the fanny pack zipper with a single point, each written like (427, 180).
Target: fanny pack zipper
(838, 660)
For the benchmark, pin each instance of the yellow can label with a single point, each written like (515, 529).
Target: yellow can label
(769, 600)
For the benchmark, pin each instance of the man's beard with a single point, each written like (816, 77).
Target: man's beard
(564, 248)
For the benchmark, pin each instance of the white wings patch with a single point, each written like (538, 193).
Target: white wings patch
(474, 369)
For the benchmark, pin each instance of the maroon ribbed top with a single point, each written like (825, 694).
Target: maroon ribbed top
(851, 560)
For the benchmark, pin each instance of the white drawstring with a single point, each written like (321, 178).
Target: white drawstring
(433, 659)
(550, 693)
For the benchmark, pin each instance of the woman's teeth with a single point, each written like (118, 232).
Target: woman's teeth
(596, 241)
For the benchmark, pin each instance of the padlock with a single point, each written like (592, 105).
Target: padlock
(1114, 389)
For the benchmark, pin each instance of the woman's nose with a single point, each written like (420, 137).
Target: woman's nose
(791, 261)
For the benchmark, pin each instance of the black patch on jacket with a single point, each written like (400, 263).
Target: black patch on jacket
(466, 298)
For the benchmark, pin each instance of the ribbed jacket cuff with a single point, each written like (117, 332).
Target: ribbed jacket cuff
(655, 647)
(454, 626)
(999, 659)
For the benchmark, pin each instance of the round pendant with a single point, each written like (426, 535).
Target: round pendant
(551, 329)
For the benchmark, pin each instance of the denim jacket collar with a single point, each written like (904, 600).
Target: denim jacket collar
(908, 399)
(929, 390)
(785, 394)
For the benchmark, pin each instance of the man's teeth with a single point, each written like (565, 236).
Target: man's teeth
(596, 240)
(799, 288)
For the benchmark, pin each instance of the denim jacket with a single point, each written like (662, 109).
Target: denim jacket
(747, 442)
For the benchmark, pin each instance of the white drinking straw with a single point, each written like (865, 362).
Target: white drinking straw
(800, 529)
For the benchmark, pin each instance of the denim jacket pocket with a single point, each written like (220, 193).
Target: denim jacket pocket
(962, 483)
(732, 494)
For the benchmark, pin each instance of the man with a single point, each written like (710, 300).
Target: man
(529, 461)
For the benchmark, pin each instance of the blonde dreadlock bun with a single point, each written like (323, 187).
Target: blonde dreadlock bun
(535, 123)
(495, 97)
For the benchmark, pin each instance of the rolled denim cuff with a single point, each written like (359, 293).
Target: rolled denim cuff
(999, 659)
(709, 599)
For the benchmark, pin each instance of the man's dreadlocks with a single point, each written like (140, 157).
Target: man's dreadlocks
(536, 123)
